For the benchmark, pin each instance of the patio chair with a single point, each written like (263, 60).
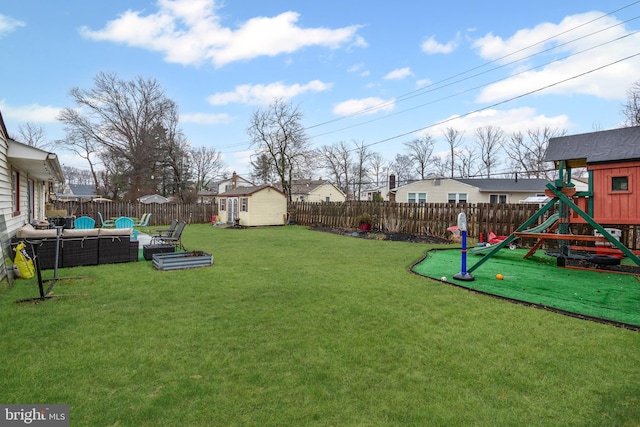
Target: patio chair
(124, 222)
(176, 238)
(106, 224)
(144, 220)
(84, 223)
(168, 232)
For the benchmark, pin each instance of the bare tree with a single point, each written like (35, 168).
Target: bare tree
(631, 110)
(378, 167)
(440, 167)
(467, 165)
(420, 151)
(207, 165)
(527, 154)
(489, 140)
(32, 134)
(360, 170)
(453, 137)
(81, 143)
(337, 159)
(403, 167)
(278, 132)
(124, 121)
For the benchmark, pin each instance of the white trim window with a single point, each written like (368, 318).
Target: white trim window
(457, 197)
(417, 198)
(497, 198)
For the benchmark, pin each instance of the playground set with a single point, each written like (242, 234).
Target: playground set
(592, 288)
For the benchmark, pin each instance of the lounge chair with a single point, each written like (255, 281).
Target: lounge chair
(84, 223)
(167, 232)
(106, 224)
(175, 239)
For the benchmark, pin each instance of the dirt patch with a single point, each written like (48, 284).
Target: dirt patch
(378, 235)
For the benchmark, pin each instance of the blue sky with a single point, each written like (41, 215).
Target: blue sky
(376, 72)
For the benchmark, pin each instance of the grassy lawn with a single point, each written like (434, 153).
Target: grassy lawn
(292, 327)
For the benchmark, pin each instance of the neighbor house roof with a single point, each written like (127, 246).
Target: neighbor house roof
(247, 191)
(595, 147)
(306, 186)
(506, 184)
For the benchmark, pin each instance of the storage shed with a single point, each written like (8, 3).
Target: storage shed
(612, 159)
(253, 206)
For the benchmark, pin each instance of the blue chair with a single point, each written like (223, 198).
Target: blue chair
(106, 224)
(124, 222)
(84, 223)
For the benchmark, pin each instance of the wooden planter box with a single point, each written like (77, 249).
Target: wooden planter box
(180, 260)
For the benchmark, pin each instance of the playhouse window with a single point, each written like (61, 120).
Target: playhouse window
(244, 204)
(223, 204)
(619, 183)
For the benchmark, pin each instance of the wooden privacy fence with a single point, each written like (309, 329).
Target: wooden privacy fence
(435, 218)
(161, 213)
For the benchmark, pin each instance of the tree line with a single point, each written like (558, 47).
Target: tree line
(128, 133)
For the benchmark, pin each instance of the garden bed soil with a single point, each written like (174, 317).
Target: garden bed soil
(379, 235)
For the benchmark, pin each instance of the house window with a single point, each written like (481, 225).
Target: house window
(327, 199)
(223, 204)
(417, 198)
(244, 204)
(457, 197)
(498, 198)
(15, 192)
(619, 183)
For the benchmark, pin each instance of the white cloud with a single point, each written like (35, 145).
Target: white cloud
(190, 32)
(205, 119)
(365, 105)
(431, 46)
(266, 94)
(399, 73)
(609, 83)
(8, 24)
(35, 113)
(512, 120)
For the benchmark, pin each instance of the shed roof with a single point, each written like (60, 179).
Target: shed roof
(247, 191)
(613, 145)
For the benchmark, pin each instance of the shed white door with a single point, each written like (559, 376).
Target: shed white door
(232, 209)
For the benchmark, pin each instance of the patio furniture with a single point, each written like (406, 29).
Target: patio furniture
(84, 223)
(175, 239)
(106, 224)
(124, 222)
(144, 220)
(168, 232)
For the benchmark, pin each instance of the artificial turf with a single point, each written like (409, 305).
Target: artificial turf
(537, 280)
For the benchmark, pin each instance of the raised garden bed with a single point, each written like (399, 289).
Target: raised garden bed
(180, 260)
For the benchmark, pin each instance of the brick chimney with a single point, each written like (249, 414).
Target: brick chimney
(234, 180)
(392, 182)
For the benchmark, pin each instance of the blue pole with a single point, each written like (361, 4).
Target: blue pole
(464, 252)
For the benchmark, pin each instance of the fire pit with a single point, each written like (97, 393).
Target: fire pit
(180, 260)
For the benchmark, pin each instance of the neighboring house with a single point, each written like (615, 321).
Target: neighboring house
(253, 206)
(459, 190)
(315, 190)
(77, 192)
(227, 184)
(153, 198)
(612, 159)
(27, 179)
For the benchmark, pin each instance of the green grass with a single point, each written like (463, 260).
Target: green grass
(292, 327)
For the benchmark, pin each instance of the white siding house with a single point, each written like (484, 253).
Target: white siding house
(458, 190)
(27, 178)
(315, 190)
(253, 206)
